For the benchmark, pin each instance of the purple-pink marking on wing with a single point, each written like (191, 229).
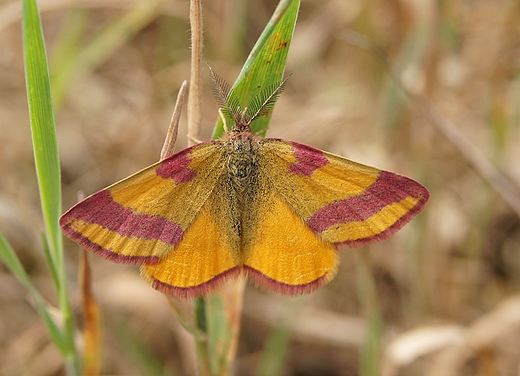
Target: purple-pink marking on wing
(389, 231)
(272, 285)
(176, 167)
(102, 210)
(308, 159)
(203, 289)
(108, 253)
(387, 189)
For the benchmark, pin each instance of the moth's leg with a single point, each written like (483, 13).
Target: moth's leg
(194, 139)
(259, 132)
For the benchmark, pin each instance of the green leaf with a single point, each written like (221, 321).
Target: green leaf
(265, 65)
(11, 260)
(102, 45)
(139, 352)
(46, 159)
(42, 125)
(219, 333)
(277, 344)
(48, 256)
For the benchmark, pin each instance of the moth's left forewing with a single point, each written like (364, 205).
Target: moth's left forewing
(140, 219)
(342, 201)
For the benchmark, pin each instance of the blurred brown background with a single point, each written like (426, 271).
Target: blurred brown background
(439, 298)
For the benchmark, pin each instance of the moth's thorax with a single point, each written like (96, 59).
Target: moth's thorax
(242, 154)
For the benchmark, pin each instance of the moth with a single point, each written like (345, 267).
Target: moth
(271, 209)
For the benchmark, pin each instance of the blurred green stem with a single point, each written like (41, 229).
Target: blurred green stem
(368, 295)
(201, 340)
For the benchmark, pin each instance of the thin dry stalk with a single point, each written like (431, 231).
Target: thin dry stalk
(195, 94)
(173, 130)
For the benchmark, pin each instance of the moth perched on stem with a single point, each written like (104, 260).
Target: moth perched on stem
(271, 209)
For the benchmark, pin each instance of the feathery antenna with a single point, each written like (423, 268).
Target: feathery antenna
(264, 102)
(220, 89)
(230, 104)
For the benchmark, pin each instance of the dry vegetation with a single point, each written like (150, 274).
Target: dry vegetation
(440, 298)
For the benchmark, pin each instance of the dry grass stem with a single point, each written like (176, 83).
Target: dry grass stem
(173, 129)
(195, 91)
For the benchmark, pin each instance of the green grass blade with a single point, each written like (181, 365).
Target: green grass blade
(277, 344)
(48, 256)
(367, 291)
(42, 125)
(266, 63)
(219, 334)
(11, 260)
(412, 54)
(139, 353)
(46, 159)
(201, 342)
(65, 51)
(103, 45)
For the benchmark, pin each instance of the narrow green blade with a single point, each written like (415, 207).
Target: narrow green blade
(266, 63)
